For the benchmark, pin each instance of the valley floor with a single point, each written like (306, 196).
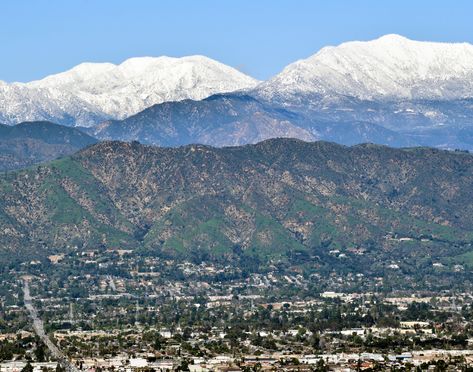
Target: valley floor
(207, 319)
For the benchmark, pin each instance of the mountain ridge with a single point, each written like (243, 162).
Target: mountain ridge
(30, 143)
(264, 202)
(92, 92)
(219, 120)
(390, 67)
(236, 119)
(390, 90)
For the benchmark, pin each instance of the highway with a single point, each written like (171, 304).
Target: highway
(39, 329)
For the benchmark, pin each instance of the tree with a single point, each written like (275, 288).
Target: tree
(159, 342)
(27, 368)
(184, 366)
(39, 352)
(320, 366)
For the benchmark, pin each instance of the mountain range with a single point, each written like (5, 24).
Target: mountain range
(220, 120)
(276, 201)
(391, 91)
(93, 92)
(237, 119)
(421, 90)
(390, 68)
(177, 158)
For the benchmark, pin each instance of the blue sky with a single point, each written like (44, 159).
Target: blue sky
(260, 37)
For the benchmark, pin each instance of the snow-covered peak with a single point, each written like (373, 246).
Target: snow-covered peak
(390, 67)
(116, 91)
(392, 38)
(78, 74)
(141, 68)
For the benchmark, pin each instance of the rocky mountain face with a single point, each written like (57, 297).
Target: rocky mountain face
(92, 92)
(276, 201)
(30, 143)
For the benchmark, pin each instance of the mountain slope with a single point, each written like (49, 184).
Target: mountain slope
(220, 120)
(391, 91)
(236, 119)
(91, 92)
(266, 201)
(30, 143)
(421, 90)
(389, 68)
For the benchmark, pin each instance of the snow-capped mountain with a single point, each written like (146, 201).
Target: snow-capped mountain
(391, 90)
(91, 92)
(389, 68)
(422, 91)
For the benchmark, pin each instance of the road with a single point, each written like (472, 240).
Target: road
(39, 329)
